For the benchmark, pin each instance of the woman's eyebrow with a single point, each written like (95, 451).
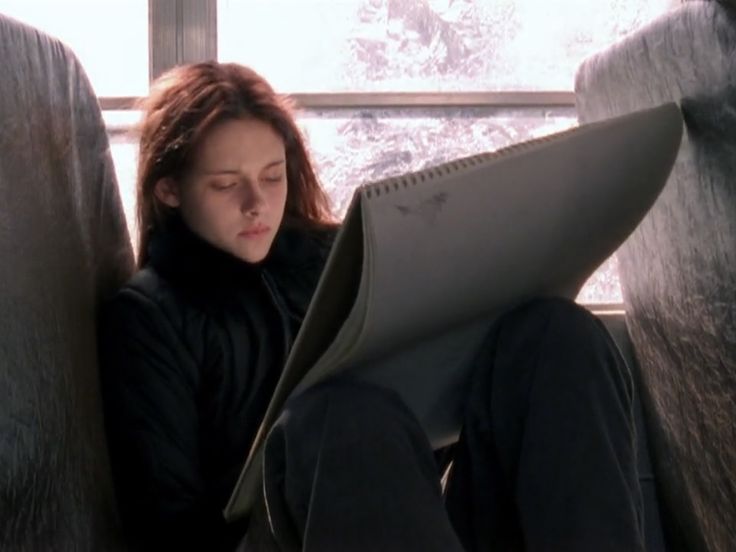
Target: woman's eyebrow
(220, 171)
(236, 171)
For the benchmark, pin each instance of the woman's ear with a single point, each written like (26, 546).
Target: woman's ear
(167, 191)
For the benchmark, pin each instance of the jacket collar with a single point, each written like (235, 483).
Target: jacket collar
(182, 257)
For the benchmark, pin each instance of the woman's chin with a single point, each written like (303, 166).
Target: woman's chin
(251, 255)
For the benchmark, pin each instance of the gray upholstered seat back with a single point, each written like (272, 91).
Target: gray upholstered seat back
(63, 246)
(678, 270)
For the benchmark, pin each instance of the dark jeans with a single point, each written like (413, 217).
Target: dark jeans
(546, 459)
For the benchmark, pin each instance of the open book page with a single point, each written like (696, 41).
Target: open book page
(432, 376)
(425, 260)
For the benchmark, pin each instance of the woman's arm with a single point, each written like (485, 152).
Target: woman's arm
(149, 385)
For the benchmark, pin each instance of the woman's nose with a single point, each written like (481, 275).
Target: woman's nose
(252, 199)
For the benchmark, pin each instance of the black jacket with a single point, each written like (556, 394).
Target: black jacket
(191, 349)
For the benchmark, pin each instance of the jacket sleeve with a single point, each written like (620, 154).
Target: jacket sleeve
(149, 388)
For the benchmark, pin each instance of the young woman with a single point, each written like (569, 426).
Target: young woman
(234, 232)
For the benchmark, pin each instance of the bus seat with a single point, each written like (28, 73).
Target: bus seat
(64, 246)
(678, 270)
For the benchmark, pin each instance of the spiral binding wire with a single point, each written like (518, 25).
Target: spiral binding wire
(457, 165)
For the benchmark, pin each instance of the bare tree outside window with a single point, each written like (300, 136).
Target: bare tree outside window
(357, 146)
(423, 45)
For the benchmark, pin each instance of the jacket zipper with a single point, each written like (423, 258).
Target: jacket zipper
(282, 311)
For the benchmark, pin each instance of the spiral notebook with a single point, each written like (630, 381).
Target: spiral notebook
(425, 262)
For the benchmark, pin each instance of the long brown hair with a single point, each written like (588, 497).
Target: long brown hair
(187, 101)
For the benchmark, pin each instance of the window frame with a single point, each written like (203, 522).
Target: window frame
(185, 31)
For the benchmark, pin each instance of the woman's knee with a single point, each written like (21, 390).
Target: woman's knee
(351, 413)
(550, 323)
(542, 314)
(556, 336)
(343, 400)
(345, 429)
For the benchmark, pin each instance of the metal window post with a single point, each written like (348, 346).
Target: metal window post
(181, 31)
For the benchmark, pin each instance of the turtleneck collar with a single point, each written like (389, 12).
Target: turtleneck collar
(183, 257)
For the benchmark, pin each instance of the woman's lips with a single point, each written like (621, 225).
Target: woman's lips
(253, 232)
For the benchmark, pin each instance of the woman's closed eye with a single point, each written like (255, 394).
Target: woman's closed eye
(274, 178)
(222, 185)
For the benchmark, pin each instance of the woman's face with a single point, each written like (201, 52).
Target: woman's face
(235, 194)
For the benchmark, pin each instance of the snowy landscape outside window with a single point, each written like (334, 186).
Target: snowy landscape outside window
(423, 45)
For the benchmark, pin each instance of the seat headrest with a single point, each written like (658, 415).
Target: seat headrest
(63, 247)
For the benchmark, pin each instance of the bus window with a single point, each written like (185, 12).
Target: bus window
(110, 38)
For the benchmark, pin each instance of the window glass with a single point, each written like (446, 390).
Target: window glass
(356, 146)
(109, 37)
(125, 157)
(423, 45)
